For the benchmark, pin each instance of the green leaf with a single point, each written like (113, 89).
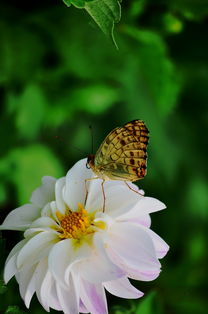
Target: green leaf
(136, 8)
(197, 247)
(78, 3)
(67, 2)
(151, 87)
(28, 165)
(172, 24)
(197, 197)
(3, 193)
(191, 9)
(105, 13)
(30, 108)
(13, 309)
(19, 67)
(146, 306)
(3, 288)
(94, 99)
(157, 69)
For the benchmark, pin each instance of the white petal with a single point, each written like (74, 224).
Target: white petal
(161, 247)
(119, 198)
(95, 195)
(36, 248)
(59, 195)
(133, 244)
(144, 206)
(62, 257)
(46, 211)
(75, 189)
(123, 288)
(54, 209)
(53, 297)
(43, 283)
(41, 224)
(99, 268)
(93, 297)
(10, 266)
(68, 298)
(45, 193)
(27, 283)
(21, 217)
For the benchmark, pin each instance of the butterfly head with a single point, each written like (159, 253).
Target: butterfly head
(90, 161)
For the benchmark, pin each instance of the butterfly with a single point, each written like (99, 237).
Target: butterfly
(123, 153)
(121, 156)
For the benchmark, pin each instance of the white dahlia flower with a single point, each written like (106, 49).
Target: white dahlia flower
(72, 251)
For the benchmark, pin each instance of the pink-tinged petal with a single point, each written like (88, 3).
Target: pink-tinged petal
(123, 288)
(36, 248)
(82, 308)
(144, 220)
(27, 280)
(93, 297)
(99, 268)
(133, 244)
(68, 298)
(161, 247)
(59, 195)
(20, 218)
(10, 266)
(144, 206)
(62, 257)
(148, 275)
(45, 193)
(132, 272)
(75, 188)
(79, 254)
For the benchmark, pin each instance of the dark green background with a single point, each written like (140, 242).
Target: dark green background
(59, 74)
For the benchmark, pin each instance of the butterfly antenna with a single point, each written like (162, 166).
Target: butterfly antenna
(78, 149)
(92, 140)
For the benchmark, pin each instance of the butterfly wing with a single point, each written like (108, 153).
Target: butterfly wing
(123, 155)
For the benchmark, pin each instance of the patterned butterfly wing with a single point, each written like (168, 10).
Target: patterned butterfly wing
(123, 153)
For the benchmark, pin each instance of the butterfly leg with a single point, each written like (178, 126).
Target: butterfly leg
(102, 185)
(132, 189)
(87, 189)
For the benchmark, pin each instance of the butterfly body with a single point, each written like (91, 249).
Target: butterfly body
(123, 153)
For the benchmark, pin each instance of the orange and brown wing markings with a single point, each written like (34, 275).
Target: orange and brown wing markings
(123, 153)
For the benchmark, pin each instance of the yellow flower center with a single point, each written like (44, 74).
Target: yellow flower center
(76, 225)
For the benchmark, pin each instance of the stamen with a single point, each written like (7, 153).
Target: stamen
(77, 224)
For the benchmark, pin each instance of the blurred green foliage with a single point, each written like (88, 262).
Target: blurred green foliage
(59, 74)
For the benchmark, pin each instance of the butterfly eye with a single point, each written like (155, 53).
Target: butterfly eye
(87, 165)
